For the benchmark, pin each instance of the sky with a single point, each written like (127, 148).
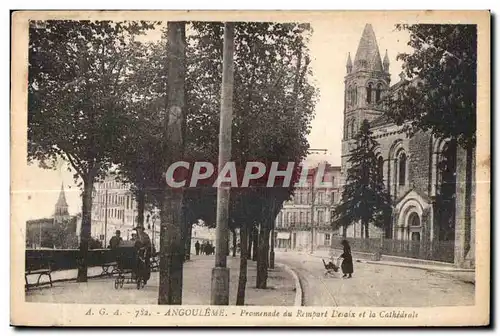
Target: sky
(330, 44)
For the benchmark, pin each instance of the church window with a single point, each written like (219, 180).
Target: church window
(353, 130)
(380, 167)
(354, 95)
(378, 92)
(402, 169)
(369, 93)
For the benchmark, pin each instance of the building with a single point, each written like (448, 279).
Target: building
(40, 233)
(114, 208)
(423, 174)
(306, 218)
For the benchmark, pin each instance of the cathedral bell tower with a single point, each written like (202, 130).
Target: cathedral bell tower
(365, 82)
(61, 210)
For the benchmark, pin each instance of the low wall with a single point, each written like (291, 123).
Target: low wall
(64, 259)
(443, 251)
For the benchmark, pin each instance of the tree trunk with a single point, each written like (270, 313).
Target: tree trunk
(227, 244)
(367, 231)
(85, 229)
(141, 206)
(362, 229)
(242, 280)
(469, 175)
(344, 231)
(263, 258)
(172, 217)
(187, 240)
(255, 238)
(250, 241)
(271, 253)
(234, 242)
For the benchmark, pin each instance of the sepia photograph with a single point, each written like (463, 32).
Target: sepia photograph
(238, 168)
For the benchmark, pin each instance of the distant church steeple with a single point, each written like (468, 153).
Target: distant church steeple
(61, 211)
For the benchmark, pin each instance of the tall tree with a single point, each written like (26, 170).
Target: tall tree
(76, 75)
(364, 197)
(172, 213)
(440, 96)
(271, 119)
(441, 93)
(142, 149)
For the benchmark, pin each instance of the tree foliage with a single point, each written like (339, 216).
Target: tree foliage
(441, 93)
(364, 197)
(77, 72)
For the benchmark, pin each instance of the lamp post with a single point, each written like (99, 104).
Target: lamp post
(313, 151)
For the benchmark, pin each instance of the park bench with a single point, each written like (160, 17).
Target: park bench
(40, 267)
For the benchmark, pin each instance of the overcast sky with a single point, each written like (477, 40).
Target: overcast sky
(331, 42)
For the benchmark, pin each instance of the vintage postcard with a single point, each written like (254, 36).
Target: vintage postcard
(272, 168)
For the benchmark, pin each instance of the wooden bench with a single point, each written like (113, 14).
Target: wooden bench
(39, 268)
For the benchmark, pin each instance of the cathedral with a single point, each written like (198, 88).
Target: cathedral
(433, 208)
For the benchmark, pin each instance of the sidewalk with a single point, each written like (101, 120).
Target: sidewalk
(466, 275)
(196, 287)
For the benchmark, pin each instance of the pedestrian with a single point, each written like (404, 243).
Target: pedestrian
(347, 266)
(143, 245)
(115, 241)
(197, 247)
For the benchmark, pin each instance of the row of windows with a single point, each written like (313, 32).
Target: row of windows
(115, 199)
(400, 167)
(301, 217)
(350, 128)
(373, 94)
(113, 185)
(321, 198)
(113, 213)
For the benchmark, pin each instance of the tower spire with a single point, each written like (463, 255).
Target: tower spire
(61, 209)
(368, 55)
(386, 62)
(349, 63)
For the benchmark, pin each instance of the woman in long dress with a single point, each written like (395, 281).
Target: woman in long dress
(347, 266)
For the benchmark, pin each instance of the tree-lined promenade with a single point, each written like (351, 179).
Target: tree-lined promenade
(105, 102)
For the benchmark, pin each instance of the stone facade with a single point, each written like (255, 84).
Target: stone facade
(114, 208)
(425, 176)
(295, 227)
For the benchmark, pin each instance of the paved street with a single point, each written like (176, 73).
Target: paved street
(376, 285)
(196, 287)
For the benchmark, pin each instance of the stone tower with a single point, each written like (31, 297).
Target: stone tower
(366, 80)
(61, 210)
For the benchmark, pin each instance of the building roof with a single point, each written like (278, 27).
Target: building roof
(381, 120)
(368, 55)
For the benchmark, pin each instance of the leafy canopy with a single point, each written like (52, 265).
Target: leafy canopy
(441, 93)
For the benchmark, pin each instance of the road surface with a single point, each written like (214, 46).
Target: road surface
(376, 285)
